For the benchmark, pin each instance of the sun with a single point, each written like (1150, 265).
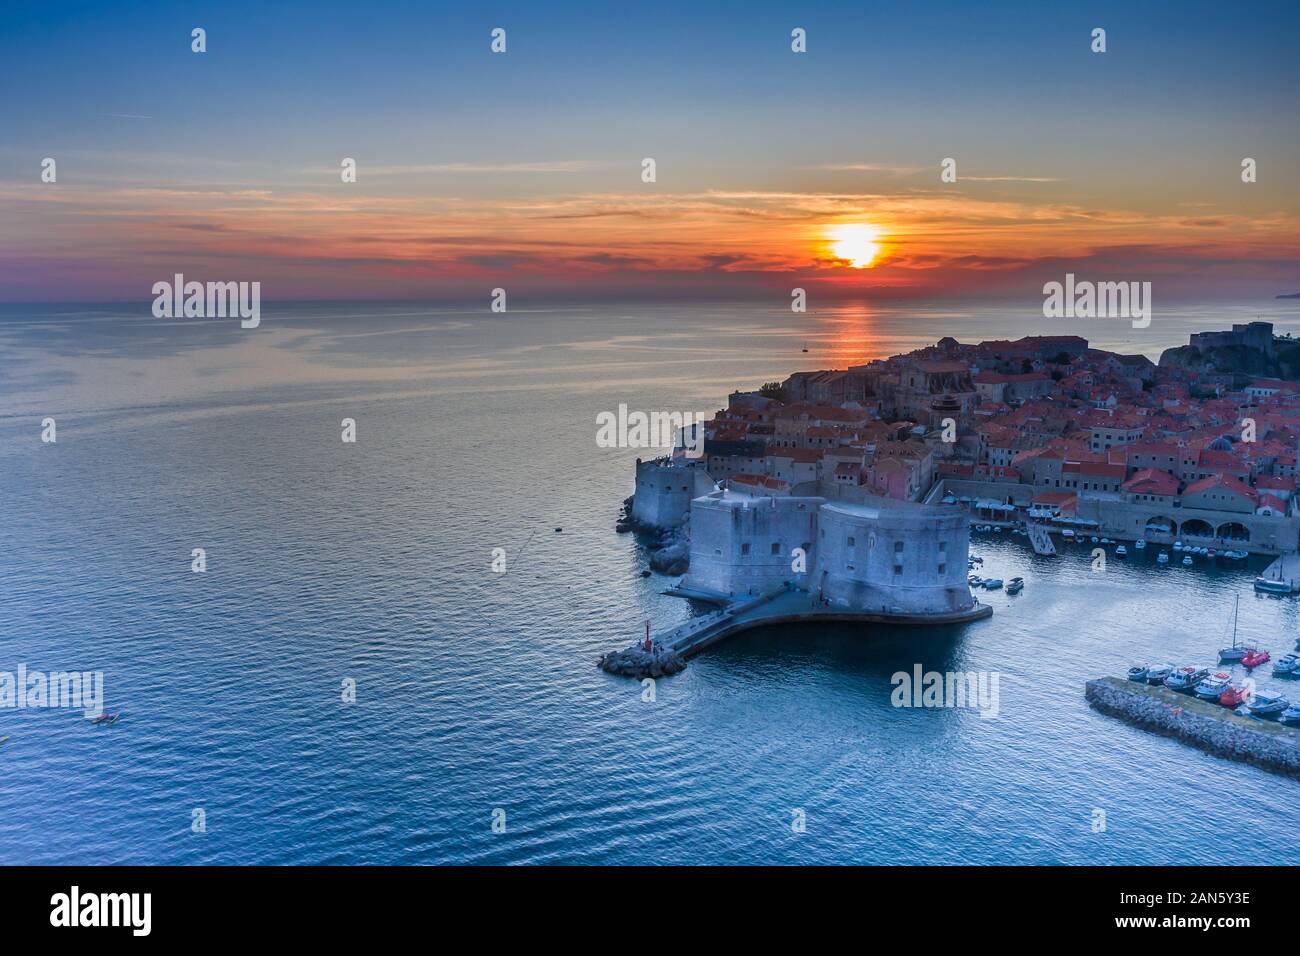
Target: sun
(857, 243)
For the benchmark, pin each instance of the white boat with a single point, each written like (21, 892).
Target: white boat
(1094, 539)
(1178, 546)
(1186, 678)
(1121, 551)
(1267, 706)
(1140, 544)
(1187, 561)
(1015, 585)
(1163, 557)
(1213, 686)
(1287, 665)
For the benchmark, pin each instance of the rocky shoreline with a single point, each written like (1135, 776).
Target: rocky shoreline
(1207, 726)
(669, 548)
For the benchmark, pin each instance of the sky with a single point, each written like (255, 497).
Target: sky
(523, 169)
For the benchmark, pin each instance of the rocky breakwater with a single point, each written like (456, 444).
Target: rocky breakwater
(637, 662)
(1200, 723)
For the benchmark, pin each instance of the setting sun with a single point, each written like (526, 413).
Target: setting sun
(857, 243)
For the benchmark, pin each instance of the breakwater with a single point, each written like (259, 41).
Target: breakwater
(1202, 724)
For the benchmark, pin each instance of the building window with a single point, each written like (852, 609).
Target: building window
(898, 547)
(943, 569)
(744, 548)
(776, 547)
(851, 541)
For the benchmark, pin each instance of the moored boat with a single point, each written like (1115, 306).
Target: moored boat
(1140, 544)
(1186, 678)
(1234, 695)
(1015, 585)
(1236, 652)
(992, 584)
(1138, 672)
(1121, 551)
(1156, 673)
(1213, 686)
(1270, 586)
(1163, 557)
(1268, 706)
(1187, 561)
(1253, 658)
(1286, 665)
(1291, 715)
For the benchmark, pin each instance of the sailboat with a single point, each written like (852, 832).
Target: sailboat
(1236, 652)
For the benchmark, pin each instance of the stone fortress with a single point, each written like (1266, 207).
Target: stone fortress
(851, 552)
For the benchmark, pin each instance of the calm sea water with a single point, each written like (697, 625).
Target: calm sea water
(478, 691)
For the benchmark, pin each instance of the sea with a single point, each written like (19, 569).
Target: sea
(355, 678)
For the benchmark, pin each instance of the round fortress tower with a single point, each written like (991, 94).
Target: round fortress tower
(892, 557)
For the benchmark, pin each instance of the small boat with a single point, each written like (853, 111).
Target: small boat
(1253, 658)
(1211, 553)
(1267, 706)
(1121, 551)
(1094, 539)
(1236, 652)
(1067, 533)
(1285, 666)
(1187, 561)
(974, 580)
(1234, 695)
(1212, 687)
(992, 584)
(106, 720)
(1015, 585)
(1157, 673)
(1291, 715)
(1163, 557)
(1186, 678)
(804, 349)
(1138, 673)
(1178, 546)
(1270, 586)
(1140, 544)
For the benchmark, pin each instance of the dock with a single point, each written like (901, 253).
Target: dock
(1202, 724)
(1282, 576)
(1040, 539)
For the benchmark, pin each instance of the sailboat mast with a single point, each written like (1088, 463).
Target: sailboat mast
(1235, 604)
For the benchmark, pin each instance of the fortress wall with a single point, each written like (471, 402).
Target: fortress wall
(859, 548)
(664, 490)
(732, 538)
